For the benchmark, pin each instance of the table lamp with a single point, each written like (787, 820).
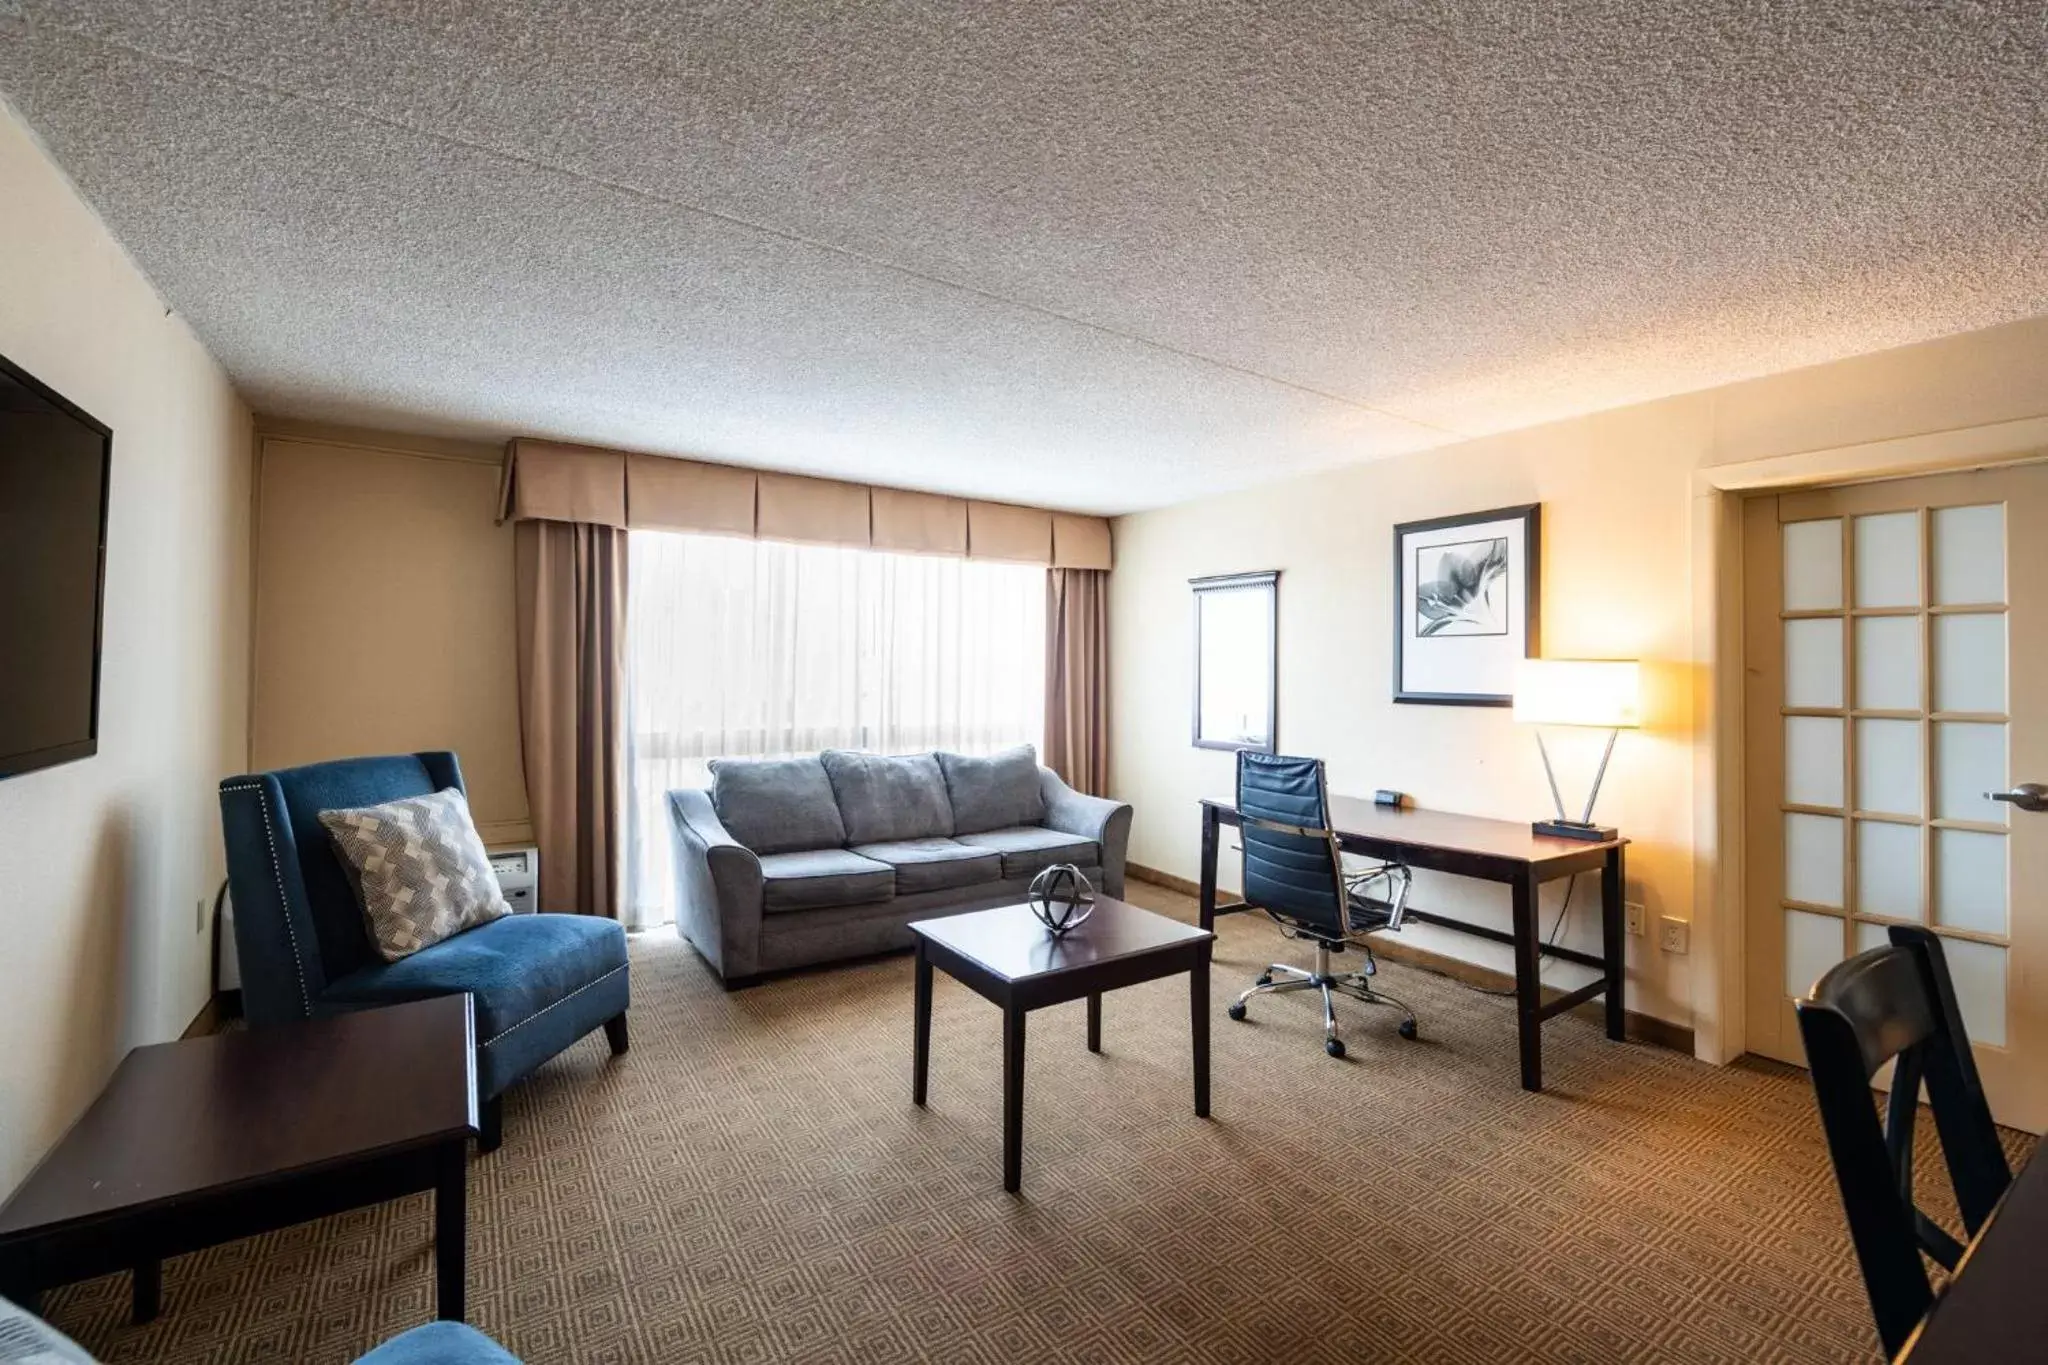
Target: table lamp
(1597, 692)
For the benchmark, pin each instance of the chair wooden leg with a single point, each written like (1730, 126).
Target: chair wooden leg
(615, 1033)
(491, 1125)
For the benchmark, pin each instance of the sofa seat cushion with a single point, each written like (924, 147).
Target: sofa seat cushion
(1029, 849)
(935, 864)
(885, 798)
(776, 805)
(513, 967)
(821, 877)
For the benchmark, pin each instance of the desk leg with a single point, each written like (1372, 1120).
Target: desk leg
(1013, 1097)
(1614, 944)
(1198, 1016)
(148, 1285)
(1528, 981)
(451, 1232)
(1208, 897)
(921, 1027)
(1095, 1022)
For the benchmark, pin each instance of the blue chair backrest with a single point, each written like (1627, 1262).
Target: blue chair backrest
(298, 920)
(1295, 875)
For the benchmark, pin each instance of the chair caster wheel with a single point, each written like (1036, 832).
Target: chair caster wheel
(1235, 1011)
(1334, 1046)
(1408, 1029)
(1266, 980)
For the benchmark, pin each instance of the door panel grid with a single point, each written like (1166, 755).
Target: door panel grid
(1894, 695)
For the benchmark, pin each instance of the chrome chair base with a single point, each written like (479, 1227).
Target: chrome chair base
(1281, 979)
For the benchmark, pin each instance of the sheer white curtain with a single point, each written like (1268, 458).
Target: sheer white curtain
(753, 648)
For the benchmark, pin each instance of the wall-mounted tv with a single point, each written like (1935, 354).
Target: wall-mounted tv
(55, 461)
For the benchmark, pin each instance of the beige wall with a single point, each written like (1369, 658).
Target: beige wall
(1618, 494)
(105, 862)
(384, 617)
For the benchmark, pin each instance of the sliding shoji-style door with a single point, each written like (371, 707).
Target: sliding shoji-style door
(1895, 635)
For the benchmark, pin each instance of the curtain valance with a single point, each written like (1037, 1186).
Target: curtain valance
(551, 481)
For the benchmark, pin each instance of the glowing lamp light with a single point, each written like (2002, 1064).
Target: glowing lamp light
(1603, 693)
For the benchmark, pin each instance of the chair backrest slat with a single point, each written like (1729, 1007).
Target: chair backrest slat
(1897, 1004)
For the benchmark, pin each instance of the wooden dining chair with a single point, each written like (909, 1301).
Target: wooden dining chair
(1896, 1004)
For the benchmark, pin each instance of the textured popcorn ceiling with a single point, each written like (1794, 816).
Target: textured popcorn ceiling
(1107, 255)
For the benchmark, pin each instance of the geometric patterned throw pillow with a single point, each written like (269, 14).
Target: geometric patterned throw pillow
(421, 869)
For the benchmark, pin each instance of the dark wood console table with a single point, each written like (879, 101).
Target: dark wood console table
(1503, 851)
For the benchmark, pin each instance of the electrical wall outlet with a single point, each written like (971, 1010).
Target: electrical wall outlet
(1674, 934)
(1635, 916)
(200, 926)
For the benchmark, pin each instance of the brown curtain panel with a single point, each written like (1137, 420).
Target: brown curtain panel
(571, 588)
(1077, 677)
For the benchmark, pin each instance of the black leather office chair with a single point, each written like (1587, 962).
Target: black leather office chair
(1897, 1004)
(1294, 871)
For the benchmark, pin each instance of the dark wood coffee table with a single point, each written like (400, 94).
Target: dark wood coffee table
(199, 1142)
(1008, 957)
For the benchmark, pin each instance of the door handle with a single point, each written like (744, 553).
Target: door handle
(2026, 796)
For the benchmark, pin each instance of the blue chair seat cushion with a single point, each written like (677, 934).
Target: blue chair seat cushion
(514, 968)
(440, 1343)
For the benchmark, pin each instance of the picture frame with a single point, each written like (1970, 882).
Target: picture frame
(1237, 661)
(1467, 605)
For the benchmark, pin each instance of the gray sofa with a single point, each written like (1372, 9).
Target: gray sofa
(790, 862)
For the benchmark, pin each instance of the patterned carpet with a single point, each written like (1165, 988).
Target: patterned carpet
(752, 1184)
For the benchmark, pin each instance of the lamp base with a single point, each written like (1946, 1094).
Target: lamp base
(1574, 829)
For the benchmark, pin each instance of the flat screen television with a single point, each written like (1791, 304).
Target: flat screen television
(55, 461)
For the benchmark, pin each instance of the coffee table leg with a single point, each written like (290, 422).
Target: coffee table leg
(148, 1286)
(921, 1028)
(1013, 1097)
(1095, 1022)
(1198, 1016)
(451, 1232)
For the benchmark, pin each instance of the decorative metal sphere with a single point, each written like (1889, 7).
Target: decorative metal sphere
(1061, 898)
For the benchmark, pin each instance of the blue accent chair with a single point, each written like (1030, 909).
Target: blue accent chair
(539, 982)
(27, 1337)
(440, 1343)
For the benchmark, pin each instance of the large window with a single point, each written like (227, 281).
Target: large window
(753, 648)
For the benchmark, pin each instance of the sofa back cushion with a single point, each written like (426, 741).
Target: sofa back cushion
(776, 805)
(886, 798)
(993, 792)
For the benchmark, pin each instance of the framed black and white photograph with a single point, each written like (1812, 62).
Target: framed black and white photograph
(1465, 605)
(1237, 660)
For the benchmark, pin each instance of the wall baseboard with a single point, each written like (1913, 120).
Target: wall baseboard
(1140, 872)
(1645, 1028)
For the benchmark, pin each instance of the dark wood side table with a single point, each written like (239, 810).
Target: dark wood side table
(1504, 851)
(1006, 956)
(202, 1141)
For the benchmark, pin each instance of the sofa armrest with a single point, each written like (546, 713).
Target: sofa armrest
(1105, 821)
(718, 887)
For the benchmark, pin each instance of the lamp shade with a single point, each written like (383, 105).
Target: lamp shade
(1602, 692)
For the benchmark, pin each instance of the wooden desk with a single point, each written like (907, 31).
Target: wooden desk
(203, 1141)
(1501, 851)
(1994, 1308)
